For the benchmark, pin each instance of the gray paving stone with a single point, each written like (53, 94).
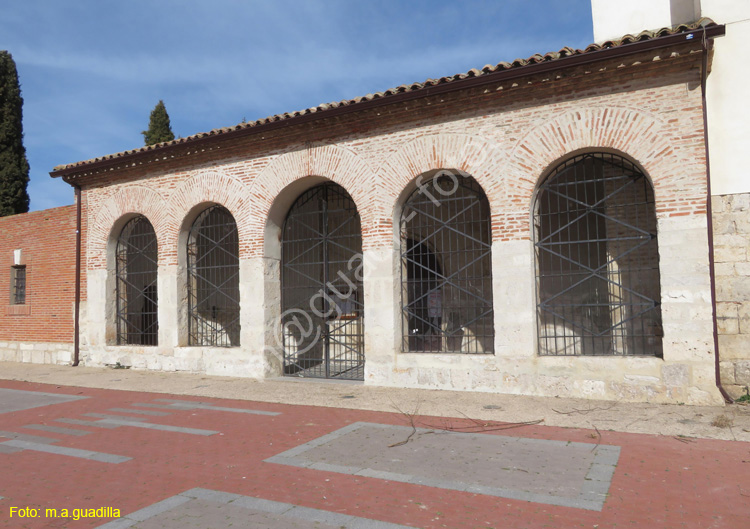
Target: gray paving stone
(95, 424)
(382, 474)
(66, 451)
(193, 405)
(328, 467)
(599, 472)
(213, 495)
(140, 412)
(179, 401)
(439, 483)
(260, 504)
(57, 429)
(321, 517)
(158, 508)
(17, 400)
(553, 472)
(120, 523)
(239, 410)
(30, 438)
(4, 449)
(150, 405)
(607, 455)
(203, 508)
(115, 417)
(162, 427)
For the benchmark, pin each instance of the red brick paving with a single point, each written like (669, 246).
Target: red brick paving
(660, 482)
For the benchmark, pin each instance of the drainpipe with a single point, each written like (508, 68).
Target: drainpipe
(707, 44)
(77, 310)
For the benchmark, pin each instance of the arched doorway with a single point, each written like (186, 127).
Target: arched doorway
(322, 303)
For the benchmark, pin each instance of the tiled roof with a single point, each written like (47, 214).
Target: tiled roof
(407, 88)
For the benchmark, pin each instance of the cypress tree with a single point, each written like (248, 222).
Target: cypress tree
(14, 168)
(159, 128)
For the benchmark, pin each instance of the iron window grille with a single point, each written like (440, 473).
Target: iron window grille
(597, 260)
(321, 286)
(446, 267)
(136, 284)
(18, 285)
(213, 274)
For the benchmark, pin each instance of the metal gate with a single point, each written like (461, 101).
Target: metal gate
(321, 286)
(446, 268)
(136, 263)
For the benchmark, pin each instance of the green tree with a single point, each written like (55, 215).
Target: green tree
(159, 128)
(14, 168)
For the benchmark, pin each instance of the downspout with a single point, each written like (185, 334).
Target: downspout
(77, 310)
(709, 213)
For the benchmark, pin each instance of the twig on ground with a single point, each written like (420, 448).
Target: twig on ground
(599, 438)
(412, 421)
(447, 426)
(485, 427)
(401, 443)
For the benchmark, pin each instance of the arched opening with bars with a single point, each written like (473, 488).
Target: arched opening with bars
(213, 280)
(135, 284)
(446, 267)
(322, 300)
(597, 260)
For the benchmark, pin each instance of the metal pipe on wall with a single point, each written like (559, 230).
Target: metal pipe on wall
(77, 309)
(707, 43)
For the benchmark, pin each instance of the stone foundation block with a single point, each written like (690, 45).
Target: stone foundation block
(742, 372)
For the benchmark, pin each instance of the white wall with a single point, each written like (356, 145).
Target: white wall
(615, 18)
(728, 84)
(727, 90)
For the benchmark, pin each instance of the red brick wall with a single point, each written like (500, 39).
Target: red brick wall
(47, 239)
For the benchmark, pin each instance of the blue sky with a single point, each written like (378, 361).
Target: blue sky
(91, 71)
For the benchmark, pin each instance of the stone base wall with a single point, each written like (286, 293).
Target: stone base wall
(37, 352)
(731, 218)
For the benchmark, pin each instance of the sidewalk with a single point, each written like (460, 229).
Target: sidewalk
(659, 419)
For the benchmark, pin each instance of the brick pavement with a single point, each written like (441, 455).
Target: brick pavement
(201, 462)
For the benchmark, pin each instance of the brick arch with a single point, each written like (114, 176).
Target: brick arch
(474, 155)
(131, 199)
(635, 134)
(331, 162)
(206, 187)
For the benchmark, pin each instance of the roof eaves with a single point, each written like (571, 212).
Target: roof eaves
(562, 59)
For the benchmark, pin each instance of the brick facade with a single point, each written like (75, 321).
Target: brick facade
(508, 136)
(41, 329)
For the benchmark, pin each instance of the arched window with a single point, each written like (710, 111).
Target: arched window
(597, 260)
(446, 267)
(136, 275)
(213, 285)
